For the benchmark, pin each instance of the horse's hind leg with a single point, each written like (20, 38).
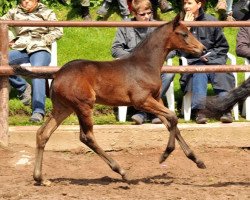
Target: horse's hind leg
(59, 113)
(84, 114)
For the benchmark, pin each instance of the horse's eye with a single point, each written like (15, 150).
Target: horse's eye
(185, 35)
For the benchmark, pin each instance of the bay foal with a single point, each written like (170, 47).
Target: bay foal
(130, 81)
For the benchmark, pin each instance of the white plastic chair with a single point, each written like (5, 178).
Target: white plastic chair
(122, 110)
(246, 104)
(187, 99)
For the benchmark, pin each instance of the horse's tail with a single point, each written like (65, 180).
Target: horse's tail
(19, 70)
(217, 105)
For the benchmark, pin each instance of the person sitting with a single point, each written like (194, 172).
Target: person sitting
(217, 47)
(31, 45)
(126, 40)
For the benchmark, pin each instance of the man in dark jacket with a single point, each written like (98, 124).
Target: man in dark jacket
(216, 54)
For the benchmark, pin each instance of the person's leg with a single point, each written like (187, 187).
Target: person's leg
(17, 82)
(123, 6)
(17, 58)
(199, 93)
(199, 90)
(166, 79)
(222, 84)
(103, 10)
(39, 58)
(85, 10)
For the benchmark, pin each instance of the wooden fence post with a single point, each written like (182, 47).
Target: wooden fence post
(4, 83)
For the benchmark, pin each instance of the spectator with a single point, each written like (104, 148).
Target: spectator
(123, 6)
(224, 8)
(126, 40)
(31, 45)
(217, 47)
(243, 42)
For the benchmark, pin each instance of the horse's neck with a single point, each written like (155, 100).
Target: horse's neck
(152, 50)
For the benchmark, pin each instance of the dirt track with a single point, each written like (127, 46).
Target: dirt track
(224, 149)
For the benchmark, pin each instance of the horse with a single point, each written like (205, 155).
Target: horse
(133, 80)
(215, 105)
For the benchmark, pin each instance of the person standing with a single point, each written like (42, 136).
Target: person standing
(31, 45)
(126, 40)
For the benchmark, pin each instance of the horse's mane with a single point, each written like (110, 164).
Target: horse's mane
(149, 36)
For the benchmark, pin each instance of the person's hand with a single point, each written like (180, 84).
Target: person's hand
(11, 43)
(189, 16)
(204, 57)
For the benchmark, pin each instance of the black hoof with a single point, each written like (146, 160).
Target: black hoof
(201, 165)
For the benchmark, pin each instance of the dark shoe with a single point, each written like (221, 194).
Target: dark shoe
(246, 8)
(138, 118)
(200, 118)
(103, 10)
(36, 117)
(226, 118)
(85, 13)
(156, 121)
(25, 97)
(165, 6)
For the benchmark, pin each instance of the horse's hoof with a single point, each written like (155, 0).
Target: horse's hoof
(46, 183)
(162, 158)
(125, 177)
(201, 165)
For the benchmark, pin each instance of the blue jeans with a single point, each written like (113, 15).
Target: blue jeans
(39, 58)
(166, 79)
(199, 89)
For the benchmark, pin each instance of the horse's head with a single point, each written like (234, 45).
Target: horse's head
(183, 40)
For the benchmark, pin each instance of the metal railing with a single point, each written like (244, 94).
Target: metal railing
(6, 70)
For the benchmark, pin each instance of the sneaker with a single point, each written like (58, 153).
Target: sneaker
(139, 118)
(165, 6)
(221, 6)
(156, 121)
(25, 97)
(200, 118)
(226, 118)
(103, 10)
(36, 117)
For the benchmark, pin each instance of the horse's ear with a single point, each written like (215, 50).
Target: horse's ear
(176, 20)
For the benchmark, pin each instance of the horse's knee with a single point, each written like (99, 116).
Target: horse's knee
(173, 120)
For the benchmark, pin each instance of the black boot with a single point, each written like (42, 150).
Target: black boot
(103, 10)
(85, 13)
(246, 7)
(165, 6)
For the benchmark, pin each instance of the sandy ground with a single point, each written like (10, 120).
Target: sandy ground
(78, 173)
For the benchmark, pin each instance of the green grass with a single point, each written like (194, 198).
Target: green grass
(94, 44)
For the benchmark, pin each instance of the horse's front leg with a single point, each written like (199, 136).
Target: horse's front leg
(170, 120)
